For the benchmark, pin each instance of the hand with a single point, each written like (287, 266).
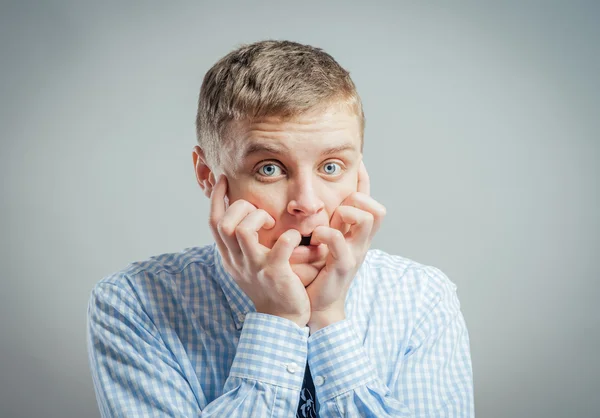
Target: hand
(264, 274)
(353, 225)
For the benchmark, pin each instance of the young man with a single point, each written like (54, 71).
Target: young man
(289, 313)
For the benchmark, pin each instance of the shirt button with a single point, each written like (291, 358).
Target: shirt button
(319, 380)
(241, 317)
(292, 368)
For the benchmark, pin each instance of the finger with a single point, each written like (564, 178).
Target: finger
(336, 223)
(283, 248)
(335, 241)
(364, 183)
(230, 221)
(217, 210)
(247, 234)
(360, 223)
(368, 204)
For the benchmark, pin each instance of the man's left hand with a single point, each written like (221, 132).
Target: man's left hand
(352, 227)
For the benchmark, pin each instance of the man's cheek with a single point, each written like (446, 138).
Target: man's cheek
(265, 238)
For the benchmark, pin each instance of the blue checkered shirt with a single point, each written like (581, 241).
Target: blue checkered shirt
(174, 336)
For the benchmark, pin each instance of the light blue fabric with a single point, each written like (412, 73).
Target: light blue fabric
(174, 336)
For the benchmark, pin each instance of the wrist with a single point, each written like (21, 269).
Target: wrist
(322, 319)
(298, 320)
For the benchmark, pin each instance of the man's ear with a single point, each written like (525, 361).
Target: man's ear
(204, 175)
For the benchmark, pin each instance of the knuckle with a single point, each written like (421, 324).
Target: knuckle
(225, 228)
(247, 205)
(243, 231)
(263, 215)
(213, 218)
(338, 235)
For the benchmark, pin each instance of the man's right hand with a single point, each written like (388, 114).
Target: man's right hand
(264, 274)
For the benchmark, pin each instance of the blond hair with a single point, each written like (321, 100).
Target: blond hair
(269, 78)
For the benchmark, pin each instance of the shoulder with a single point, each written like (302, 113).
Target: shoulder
(424, 282)
(399, 268)
(157, 275)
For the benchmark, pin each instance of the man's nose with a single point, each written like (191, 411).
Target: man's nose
(304, 199)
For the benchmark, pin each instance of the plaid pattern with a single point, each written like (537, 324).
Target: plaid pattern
(174, 336)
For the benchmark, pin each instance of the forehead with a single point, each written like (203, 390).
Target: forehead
(320, 132)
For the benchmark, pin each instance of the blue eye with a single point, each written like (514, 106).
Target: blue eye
(269, 170)
(330, 168)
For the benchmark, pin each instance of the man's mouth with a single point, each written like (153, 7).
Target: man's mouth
(306, 240)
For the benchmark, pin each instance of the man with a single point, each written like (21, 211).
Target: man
(289, 313)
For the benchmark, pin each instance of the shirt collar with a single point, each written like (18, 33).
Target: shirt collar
(239, 302)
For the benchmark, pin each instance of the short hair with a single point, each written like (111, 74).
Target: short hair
(270, 78)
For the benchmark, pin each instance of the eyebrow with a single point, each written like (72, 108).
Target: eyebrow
(258, 147)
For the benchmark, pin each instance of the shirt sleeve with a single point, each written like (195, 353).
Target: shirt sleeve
(135, 374)
(433, 378)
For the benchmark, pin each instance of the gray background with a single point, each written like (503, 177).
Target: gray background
(482, 141)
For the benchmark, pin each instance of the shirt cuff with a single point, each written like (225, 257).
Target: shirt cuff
(271, 350)
(338, 362)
